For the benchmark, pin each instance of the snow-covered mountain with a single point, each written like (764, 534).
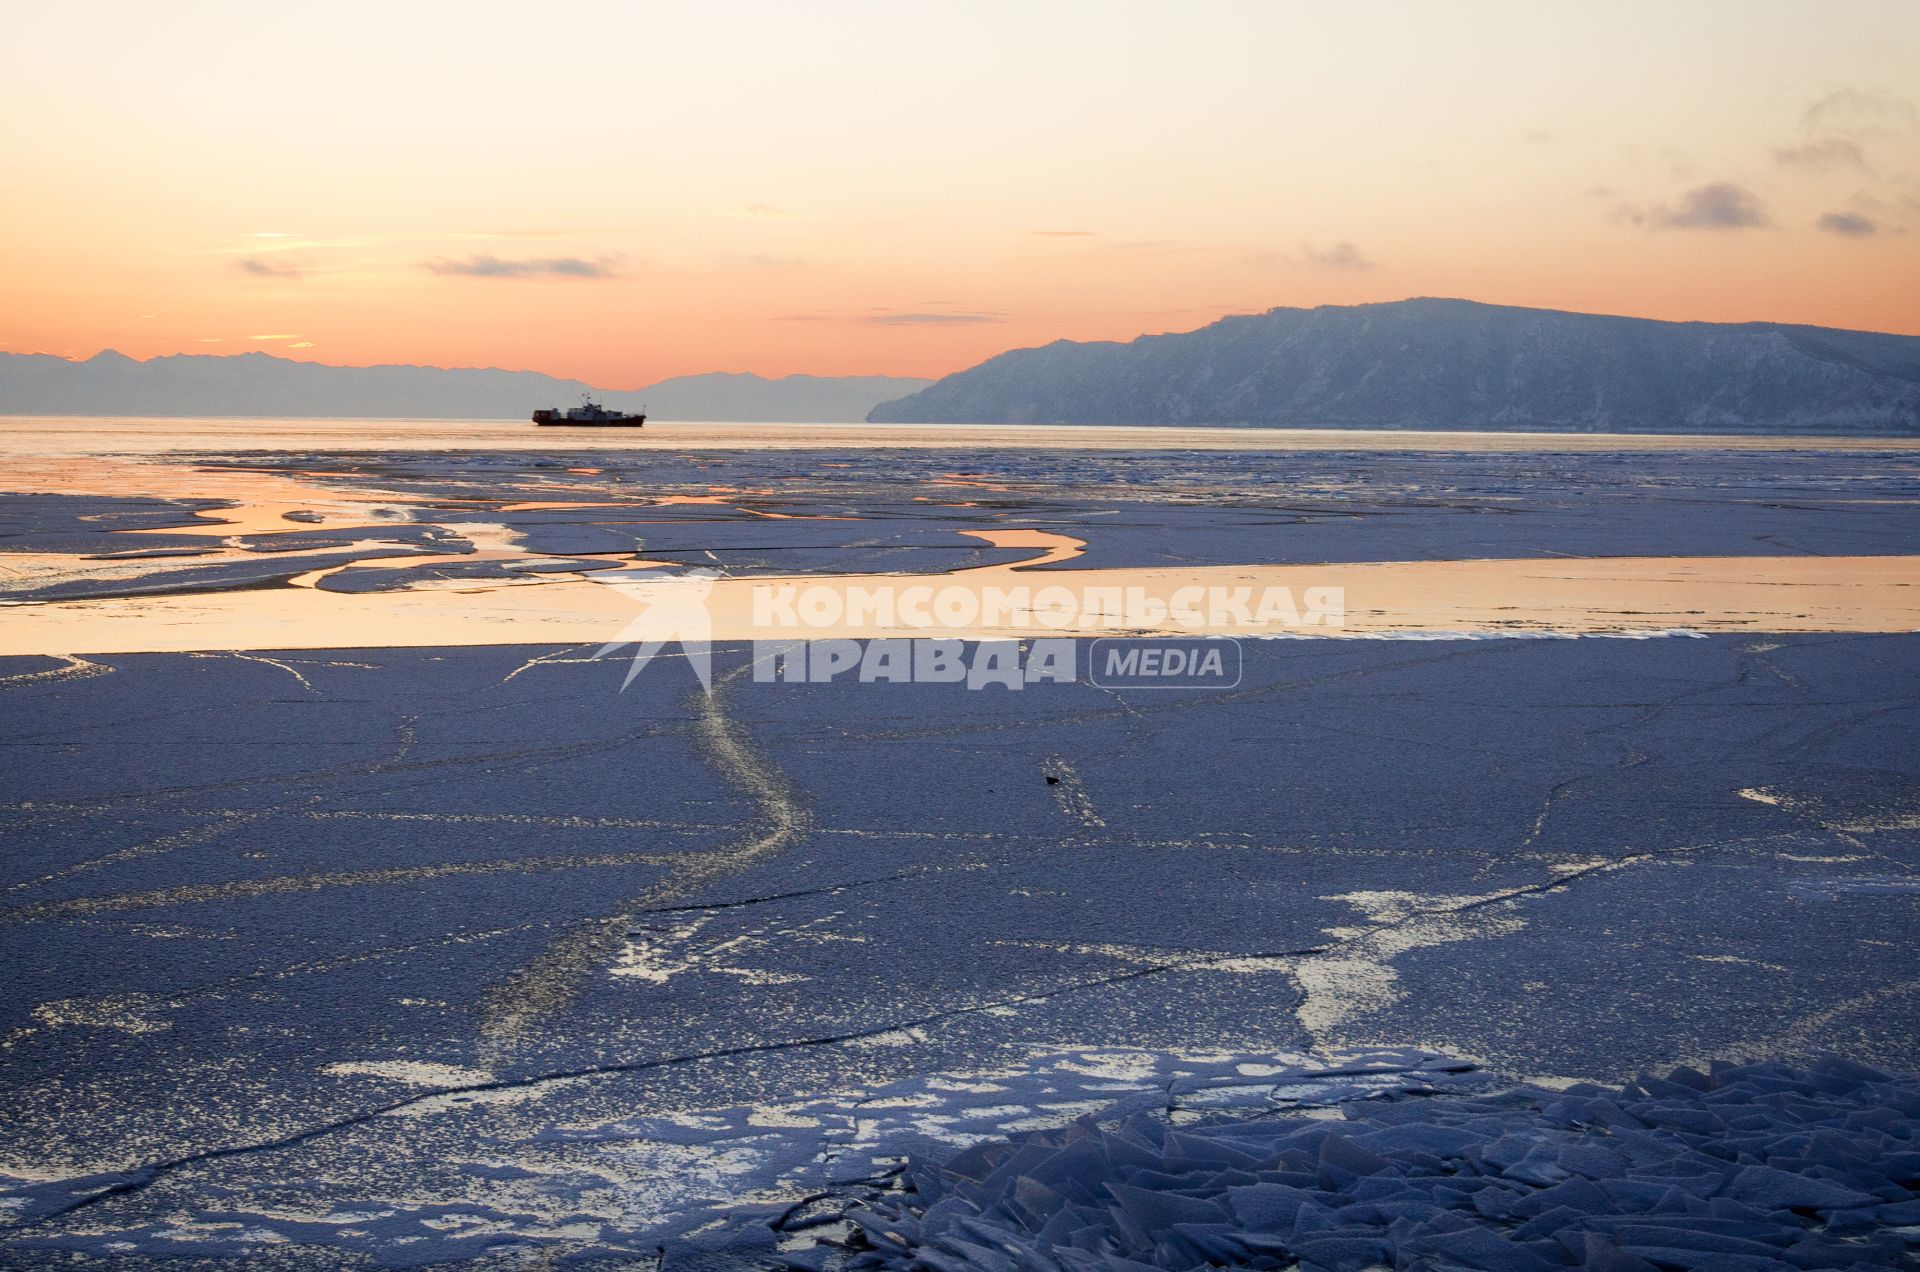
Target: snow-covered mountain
(1451, 364)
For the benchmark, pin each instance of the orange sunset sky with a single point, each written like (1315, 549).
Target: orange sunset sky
(627, 191)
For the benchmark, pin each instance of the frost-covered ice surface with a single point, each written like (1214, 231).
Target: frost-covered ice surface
(1756, 1168)
(386, 956)
(735, 1183)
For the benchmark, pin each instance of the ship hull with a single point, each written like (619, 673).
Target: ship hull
(636, 422)
(551, 419)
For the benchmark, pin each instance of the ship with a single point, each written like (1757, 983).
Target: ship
(589, 414)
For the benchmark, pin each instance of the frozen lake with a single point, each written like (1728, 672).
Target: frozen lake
(400, 951)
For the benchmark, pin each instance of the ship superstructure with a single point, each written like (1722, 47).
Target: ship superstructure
(589, 414)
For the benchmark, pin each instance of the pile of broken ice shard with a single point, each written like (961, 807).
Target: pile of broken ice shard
(1748, 1167)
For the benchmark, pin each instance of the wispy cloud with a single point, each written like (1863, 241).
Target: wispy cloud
(1848, 225)
(265, 269)
(543, 267)
(287, 336)
(1821, 153)
(1341, 255)
(1718, 205)
(1861, 112)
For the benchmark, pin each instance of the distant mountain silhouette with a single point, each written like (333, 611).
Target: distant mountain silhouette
(1450, 364)
(110, 383)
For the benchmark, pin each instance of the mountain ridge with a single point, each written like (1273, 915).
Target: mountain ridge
(1442, 363)
(259, 383)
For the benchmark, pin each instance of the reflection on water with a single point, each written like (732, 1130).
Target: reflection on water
(260, 504)
(425, 567)
(1053, 547)
(487, 541)
(1611, 595)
